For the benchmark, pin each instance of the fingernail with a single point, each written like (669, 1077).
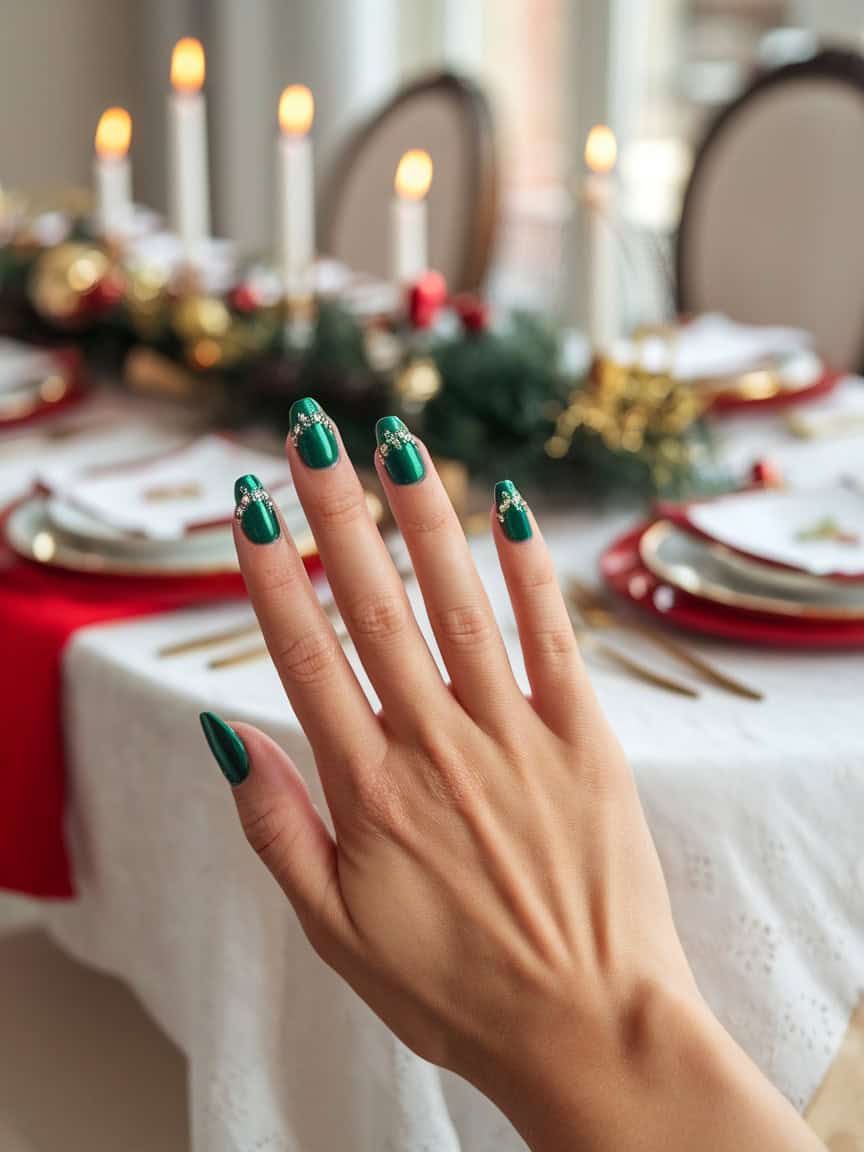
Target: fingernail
(227, 747)
(512, 511)
(312, 434)
(398, 450)
(255, 511)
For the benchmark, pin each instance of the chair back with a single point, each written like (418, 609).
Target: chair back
(450, 118)
(772, 226)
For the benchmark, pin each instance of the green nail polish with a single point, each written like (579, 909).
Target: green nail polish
(312, 434)
(398, 449)
(512, 511)
(227, 747)
(255, 511)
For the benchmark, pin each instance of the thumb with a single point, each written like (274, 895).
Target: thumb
(281, 824)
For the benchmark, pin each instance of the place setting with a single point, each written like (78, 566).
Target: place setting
(771, 567)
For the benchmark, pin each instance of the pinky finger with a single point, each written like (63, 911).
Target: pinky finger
(282, 826)
(559, 685)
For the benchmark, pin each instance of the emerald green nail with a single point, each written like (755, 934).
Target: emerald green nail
(255, 511)
(398, 449)
(312, 434)
(227, 747)
(512, 511)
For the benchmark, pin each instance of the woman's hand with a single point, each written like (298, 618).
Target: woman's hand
(490, 889)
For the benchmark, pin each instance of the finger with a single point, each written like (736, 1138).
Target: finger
(282, 825)
(367, 588)
(457, 604)
(559, 688)
(305, 650)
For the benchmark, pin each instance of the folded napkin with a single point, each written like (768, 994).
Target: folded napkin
(22, 365)
(714, 345)
(839, 414)
(163, 497)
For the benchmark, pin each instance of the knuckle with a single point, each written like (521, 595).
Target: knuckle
(433, 521)
(266, 832)
(277, 579)
(379, 801)
(381, 617)
(465, 625)
(308, 659)
(555, 643)
(340, 506)
(539, 578)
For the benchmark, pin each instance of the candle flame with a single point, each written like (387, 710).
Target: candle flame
(414, 175)
(113, 133)
(601, 149)
(187, 65)
(296, 110)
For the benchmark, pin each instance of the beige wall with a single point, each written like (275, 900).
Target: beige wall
(61, 63)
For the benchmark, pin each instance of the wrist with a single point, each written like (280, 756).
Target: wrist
(656, 1070)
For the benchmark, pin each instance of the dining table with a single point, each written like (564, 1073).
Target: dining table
(756, 808)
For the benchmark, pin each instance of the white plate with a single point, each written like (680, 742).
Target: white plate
(688, 563)
(82, 529)
(31, 534)
(784, 528)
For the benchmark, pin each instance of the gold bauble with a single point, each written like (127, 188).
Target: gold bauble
(419, 381)
(147, 300)
(62, 276)
(201, 318)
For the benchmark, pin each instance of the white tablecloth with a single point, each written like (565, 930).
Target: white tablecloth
(757, 810)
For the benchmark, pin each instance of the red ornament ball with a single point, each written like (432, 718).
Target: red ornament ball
(766, 473)
(244, 298)
(426, 298)
(473, 312)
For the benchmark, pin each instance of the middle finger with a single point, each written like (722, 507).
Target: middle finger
(366, 586)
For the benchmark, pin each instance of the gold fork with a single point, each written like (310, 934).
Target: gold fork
(597, 614)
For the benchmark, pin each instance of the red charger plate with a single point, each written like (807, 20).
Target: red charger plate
(624, 572)
(726, 403)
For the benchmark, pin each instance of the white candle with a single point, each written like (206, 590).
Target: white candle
(112, 175)
(601, 151)
(187, 131)
(295, 196)
(408, 240)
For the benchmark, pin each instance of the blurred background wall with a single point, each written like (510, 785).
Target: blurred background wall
(655, 69)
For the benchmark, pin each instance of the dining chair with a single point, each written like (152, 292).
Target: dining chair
(771, 225)
(451, 119)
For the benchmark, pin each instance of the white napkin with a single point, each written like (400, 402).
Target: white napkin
(163, 497)
(22, 365)
(714, 345)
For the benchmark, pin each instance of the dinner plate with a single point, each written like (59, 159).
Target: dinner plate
(82, 528)
(690, 564)
(31, 534)
(622, 567)
(818, 533)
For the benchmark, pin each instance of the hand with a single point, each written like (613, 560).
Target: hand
(490, 889)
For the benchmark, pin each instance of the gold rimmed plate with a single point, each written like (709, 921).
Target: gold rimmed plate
(31, 533)
(689, 564)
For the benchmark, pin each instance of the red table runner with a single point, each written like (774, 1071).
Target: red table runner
(39, 611)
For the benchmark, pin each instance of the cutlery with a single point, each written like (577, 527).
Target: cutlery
(182, 647)
(597, 614)
(634, 667)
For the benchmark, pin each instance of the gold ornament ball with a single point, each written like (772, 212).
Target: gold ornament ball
(62, 276)
(419, 381)
(201, 318)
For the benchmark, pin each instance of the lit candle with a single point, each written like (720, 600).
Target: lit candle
(296, 191)
(187, 130)
(409, 257)
(112, 175)
(601, 151)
